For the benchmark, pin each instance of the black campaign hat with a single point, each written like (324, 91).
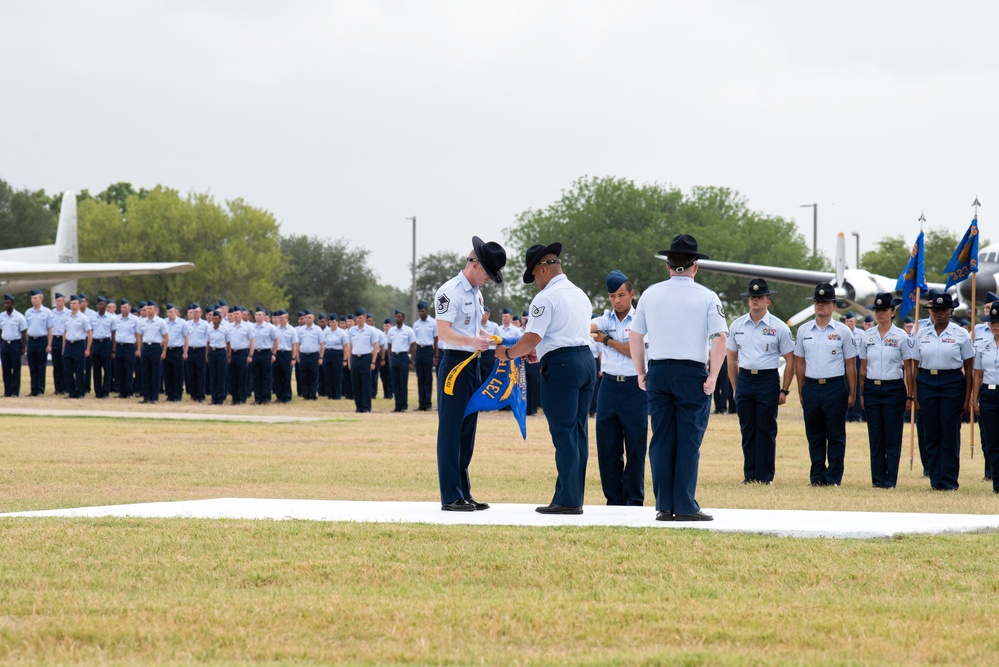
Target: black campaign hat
(491, 256)
(534, 255)
(940, 301)
(758, 287)
(683, 244)
(884, 300)
(823, 292)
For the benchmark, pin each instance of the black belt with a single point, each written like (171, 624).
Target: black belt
(200, 347)
(620, 378)
(424, 346)
(399, 354)
(554, 354)
(459, 354)
(16, 340)
(358, 356)
(160, 344)
(678, 362)
(97, 340)
(45, 337)
(943, 371)
(879, 383)
(838, 378)
(758, 371)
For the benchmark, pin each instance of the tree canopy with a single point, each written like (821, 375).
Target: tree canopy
(611, 223)
(26, 218)
(235, 247)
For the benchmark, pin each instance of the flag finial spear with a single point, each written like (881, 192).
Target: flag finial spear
(922, 219)
(976, 204)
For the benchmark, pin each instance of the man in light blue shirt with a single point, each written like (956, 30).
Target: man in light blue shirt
(76, 348)
(39, 320)
(15, 333)
(59, 316)
(102, 348)
(196, 365)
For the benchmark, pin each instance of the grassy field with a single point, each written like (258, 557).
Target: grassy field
(112, 591)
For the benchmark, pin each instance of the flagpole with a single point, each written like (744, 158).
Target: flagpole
(912, 413)
(974, 309)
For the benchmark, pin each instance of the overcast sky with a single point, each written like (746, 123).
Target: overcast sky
(344, 118)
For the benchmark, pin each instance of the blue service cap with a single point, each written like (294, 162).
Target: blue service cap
(216, 313)
(868, 318)
(343, 318)
(193, 306)
(388, 320)
(222, 302)
(151, 303)
(359, 312)
(334, 316)
(507, 311)
(126, 302)
(259, 309)
(301, 313)
(36, 292)
(908, 320)
(101, 299)
(525, 314)
(421, 304)
(81, 295)
(308, 311)
(72, 297)
(170, 306)
(321, 315)
(60, 295)
(850, 315)
(110, 301)
(398, 312)
(7, 297)
(614, 281)
(991, 297)
(143, 303)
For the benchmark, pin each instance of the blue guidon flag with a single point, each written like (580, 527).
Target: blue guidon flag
(506, 386)
(912, 276)
(965, 259)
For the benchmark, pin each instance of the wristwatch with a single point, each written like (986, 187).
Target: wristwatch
(785, 392)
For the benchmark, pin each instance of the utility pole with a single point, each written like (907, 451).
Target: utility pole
(815, 227)
(412, 301)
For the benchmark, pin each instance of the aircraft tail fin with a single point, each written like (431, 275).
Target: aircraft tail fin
(66, 245)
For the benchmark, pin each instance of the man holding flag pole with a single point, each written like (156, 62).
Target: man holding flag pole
(962, 265)
(911, 282)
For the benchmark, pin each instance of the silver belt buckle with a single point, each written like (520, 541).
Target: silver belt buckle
(877, 383)
(992, 386)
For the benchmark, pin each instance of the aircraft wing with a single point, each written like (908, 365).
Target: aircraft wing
(803, 277)
(24, 275)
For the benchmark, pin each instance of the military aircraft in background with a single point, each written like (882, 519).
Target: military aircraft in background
(856, 288)
(57, 266)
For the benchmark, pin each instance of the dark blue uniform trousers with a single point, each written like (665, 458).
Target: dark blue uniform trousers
(385, 371)
(219, 373)
(332, 375)
(679, 410)
(58, 373)
(568, 377)
(281, 375)
(533, 373)
(487, 359)
(73, 368)
(308, 368)
(173, 373)
(824, 408)
(10, 359)
(360, 380)
(37, 358)
(940, 399)
(884, 405)
(988, 401)
(195, 370)
(347, 383)
(262, 375)
(152, 369)
(124, 358)
(425, 376)
(455, 432)
(399, 365)
(237, 375)
(756, 402)
(622, 438)
(100, 354)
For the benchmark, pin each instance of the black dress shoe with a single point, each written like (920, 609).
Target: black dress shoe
(477, 505)
(664, 516)
(558, 509)
(460, 505)
(696, 516)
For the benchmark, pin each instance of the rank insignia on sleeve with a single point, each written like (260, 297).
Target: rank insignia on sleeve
(442, 303)
(537, 311)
